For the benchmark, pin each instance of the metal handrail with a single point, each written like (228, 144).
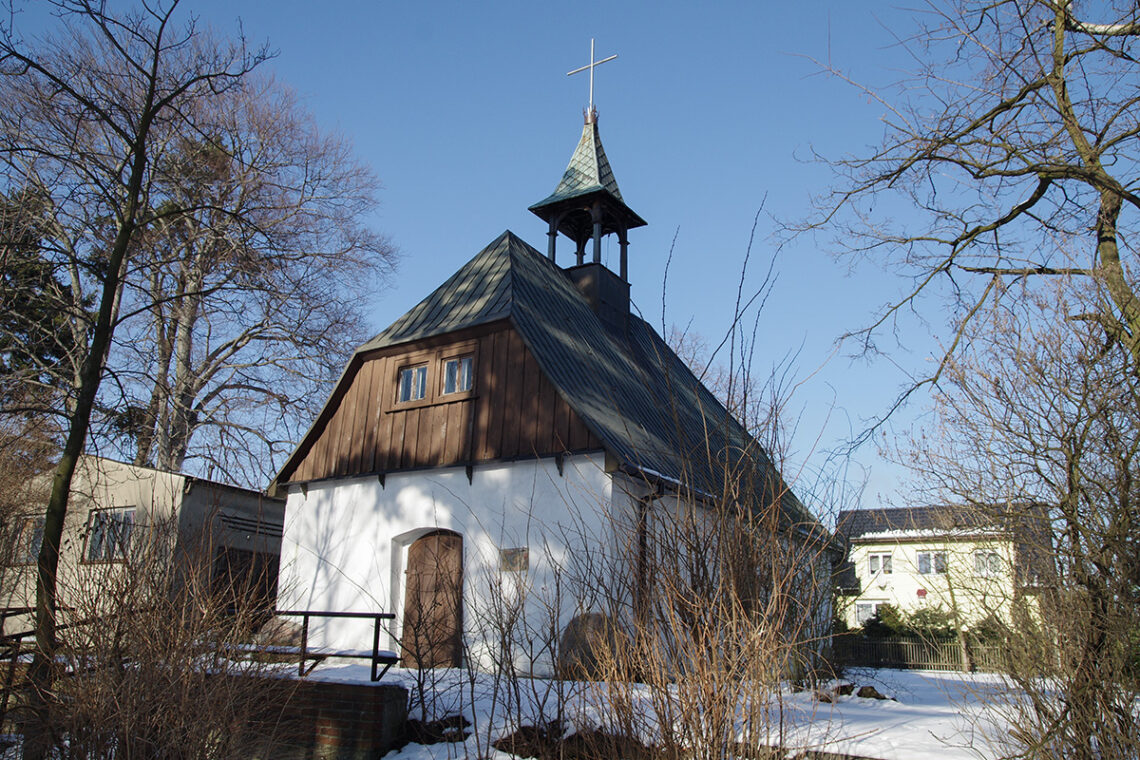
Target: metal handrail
(376, 617)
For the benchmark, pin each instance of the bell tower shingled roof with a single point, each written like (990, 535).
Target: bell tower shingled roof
(588, 170)
(587, 204)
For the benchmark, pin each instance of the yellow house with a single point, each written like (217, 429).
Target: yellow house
(963, 560)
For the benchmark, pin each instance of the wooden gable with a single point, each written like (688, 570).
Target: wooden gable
(512, 411)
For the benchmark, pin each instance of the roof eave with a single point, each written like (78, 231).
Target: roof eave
(553, 205)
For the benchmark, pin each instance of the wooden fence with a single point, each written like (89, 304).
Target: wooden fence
(915, 654)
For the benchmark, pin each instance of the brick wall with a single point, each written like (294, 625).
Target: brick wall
(337, 721)
(301, 720)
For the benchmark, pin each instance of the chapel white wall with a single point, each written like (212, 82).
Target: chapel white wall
(345, 544)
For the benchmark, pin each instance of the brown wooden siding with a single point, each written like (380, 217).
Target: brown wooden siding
(513, 411)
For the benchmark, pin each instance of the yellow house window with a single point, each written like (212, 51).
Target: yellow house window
(864, 611)
(877, 562)
(932, 563)
(987, 563)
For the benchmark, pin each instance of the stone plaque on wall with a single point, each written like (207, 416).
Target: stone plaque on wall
(514, 560)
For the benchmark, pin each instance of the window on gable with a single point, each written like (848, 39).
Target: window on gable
(457, 375)
(876, 562)
(29, 536)
(932, 563)
(412, 383)
(109, 534)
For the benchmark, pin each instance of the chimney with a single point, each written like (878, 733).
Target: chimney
(607, 294)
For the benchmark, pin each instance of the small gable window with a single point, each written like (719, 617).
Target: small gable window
(457, 375)
(412, 384)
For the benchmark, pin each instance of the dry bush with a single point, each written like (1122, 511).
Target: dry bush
(684, 630)
(729, 607)
(151, 663)
(1040, 425)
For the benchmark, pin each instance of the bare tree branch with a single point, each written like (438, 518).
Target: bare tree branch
(1016, 146)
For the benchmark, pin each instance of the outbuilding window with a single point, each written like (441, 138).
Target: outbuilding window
(28, 538)
(109, 534)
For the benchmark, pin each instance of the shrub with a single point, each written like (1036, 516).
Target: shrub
(931, 623)
(886, 623)
(988, 631)
(148, 664)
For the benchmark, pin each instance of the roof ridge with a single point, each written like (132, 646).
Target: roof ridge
(456, 303)
(592, 156)
(604, 171)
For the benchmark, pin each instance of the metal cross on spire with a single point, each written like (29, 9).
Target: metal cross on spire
(591, 66)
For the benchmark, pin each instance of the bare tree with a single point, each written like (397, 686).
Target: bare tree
(1040, 425)
(247, 298)
(83, 112)
(1013, 154)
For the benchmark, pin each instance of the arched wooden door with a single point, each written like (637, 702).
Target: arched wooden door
(433, 601)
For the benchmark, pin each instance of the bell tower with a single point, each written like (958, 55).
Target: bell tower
(587, 204)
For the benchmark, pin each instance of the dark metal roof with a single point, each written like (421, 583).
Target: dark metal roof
(632, 391)
(478, 293)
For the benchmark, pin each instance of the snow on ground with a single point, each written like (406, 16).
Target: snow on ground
(937, 714)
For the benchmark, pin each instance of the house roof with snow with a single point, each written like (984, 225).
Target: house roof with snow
(913, 522)
(1025, 522)
(1025, 525)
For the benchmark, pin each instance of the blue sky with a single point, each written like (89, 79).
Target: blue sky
(710, 113)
